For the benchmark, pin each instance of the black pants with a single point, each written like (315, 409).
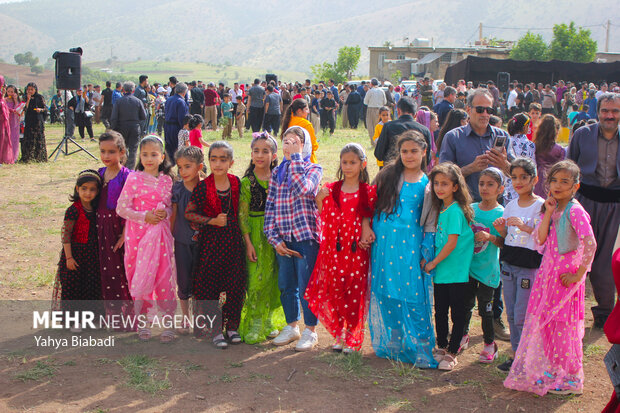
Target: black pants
(272, 124)
(327, 119)
(256, 118)
(106, 114)
(498, 304)
(450, 297)
(484, 293)
(82, 121)
(131, 134)
(353, 111)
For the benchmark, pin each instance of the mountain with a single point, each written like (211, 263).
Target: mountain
(276, 34)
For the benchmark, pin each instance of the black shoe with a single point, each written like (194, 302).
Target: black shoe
(505, 366)
(599, 321)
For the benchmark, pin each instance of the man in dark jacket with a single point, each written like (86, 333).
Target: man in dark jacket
(446, 105)
(176, 108)
(127, 114)
(386, 143)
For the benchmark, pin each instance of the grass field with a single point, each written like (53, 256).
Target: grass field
(185, 71)
(191, 375)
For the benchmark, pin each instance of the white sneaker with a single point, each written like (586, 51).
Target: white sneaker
(287, 335)
(308, 340)
(273, 334)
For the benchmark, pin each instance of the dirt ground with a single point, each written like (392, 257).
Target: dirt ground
(192, 375)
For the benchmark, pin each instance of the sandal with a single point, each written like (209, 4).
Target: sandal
(167, 336)
(144, 334)
(464, 345)
(448, 363)
(348, 350)
(438, 354)
(488, 358)
(220, 342)
(337, 347)
(234, 337)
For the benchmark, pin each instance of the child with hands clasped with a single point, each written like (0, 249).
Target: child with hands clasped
(291, 227)
(519, 258)
(78, 269)
(400, 319)
(262, 316)
(190, 163)
(145, 202)
(337, 291)
(213, 208)
(484, 269)
(454, 246)
(550, 355)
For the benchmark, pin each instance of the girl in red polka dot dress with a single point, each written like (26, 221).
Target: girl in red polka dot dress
(337, 291)
(78, 276)
(213, 208)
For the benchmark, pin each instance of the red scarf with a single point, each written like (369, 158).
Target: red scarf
(82, 225)
(363, 209)
(213, 206)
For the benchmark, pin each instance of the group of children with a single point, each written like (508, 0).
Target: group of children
(277, 244)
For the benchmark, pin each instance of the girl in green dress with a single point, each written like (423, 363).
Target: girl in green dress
(262, 316)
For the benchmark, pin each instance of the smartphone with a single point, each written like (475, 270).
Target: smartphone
(500, 141)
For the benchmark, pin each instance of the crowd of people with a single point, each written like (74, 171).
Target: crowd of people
(461, 210)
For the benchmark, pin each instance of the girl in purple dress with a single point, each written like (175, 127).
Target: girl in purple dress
(111, 227)
(16, 107)
(548, 152)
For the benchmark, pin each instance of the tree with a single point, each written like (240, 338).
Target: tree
(341, 70)
(387, 43)
(396, 77)
(530, 47)
(20, 59)
(572, 43)
(37, 69)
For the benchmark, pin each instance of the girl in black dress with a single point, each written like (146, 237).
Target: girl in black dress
(33, 142)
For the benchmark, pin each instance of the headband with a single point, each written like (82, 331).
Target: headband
(359, 148)
(152, 138)
(90, 172)
(264, 135)
(495, 171)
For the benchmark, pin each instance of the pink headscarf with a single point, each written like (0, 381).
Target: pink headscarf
(6, 147)
(423, 117)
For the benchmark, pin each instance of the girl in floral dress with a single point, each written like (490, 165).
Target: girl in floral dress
(550, 354)
(519, 146)
(338, 289)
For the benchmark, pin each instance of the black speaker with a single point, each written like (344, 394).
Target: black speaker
(503, 80)
(270, 76)
(68, 70)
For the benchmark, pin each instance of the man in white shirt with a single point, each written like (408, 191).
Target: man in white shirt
(97, 100)
(512, 97)
(374, 99)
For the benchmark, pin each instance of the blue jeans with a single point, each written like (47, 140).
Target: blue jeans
(517, 283)
(293, 277)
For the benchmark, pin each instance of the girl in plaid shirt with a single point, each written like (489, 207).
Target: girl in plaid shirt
(290, 226)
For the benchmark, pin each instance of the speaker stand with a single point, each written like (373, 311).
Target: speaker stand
(63, 146)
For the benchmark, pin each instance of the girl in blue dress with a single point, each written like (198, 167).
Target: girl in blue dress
(400, 299)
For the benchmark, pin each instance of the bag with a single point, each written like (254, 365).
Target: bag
(89, 114)
(612, 362)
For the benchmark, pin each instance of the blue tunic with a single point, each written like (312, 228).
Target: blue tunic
(400, 295)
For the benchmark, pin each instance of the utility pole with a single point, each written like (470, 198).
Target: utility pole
(480, 33)
(607, 37)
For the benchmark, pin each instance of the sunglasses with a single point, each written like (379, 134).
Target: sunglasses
(481, 109)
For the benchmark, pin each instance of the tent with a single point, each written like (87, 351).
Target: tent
(482, 69)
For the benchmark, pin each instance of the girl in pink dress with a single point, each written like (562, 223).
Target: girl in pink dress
(549, 357)
(146, 203)
(16, 107)
(6, 147)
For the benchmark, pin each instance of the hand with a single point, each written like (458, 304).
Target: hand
(482, 236)
(119, 244)
(322, 194)
(161, 213)
(550, 205)
(151, 218)
(422, 263)
(479, 164)
(500, 225)
(282, 250)
(498, 159)
(72, 264)
(220, 221)
(569, 278)
(367, 238)
(514, 222)
(250, 252)
(291, 144)
(430, 266)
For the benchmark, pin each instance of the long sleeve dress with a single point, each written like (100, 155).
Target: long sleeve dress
(262, 312)
(149, 258)
(338, 289)
(400, 294)
(550, 354)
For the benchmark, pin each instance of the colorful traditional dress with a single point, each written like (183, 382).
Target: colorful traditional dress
(550, 352)
(400, 295)
(114, 287)
(6, 144)
(149, 258)
(221, 259)
(262, 312)
(15, 111)
(519, 146)
(73, 288)
(338, 289)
